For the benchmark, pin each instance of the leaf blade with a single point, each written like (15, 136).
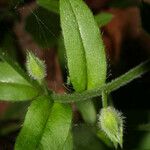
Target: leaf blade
(13, 86)
(84, 49)
(74, 47)
(29, 136)
(46, 126)
(57, 128)
(77, 12)
(17, 92)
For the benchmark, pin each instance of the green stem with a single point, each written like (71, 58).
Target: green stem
(104, 99)
(128, 76)
(44, 85)
(111, 86)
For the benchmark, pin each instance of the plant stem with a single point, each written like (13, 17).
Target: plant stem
(104, 99)
(128, 76)
(109, 87)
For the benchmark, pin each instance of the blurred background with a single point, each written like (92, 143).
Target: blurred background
(26, 25)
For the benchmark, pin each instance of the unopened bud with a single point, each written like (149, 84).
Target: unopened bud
(111, 123)
(35, 67)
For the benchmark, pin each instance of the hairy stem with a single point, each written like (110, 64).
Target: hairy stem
(109, 87)
(104, 99)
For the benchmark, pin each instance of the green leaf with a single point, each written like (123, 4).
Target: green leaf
(102, 136)
(62, 53)
(34, 124)
(84, 45)
(57, 128)
(88, 111)
(46, 126)
(13, 86)
(51, 5)
(84, 50)
(44, 27)
(85, 138)
(69, 142)
(103, 18)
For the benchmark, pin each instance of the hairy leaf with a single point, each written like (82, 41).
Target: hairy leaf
(57, 127)
(69, 142)
(13, 86)
(84, 50)
(84, 46)
(87, 110)
(85, 138)
(46, 126)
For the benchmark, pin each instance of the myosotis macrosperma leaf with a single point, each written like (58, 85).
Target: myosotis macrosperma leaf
(35, 121)
(84, 45)
(84, 50)
(6, 58)
(46, 126)
(57, 128)
(102, 136)
(69, 142)
(74, 47)
(13, 86)
(87, 110)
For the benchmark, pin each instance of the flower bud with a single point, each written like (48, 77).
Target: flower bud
(35, 67)
(111, 123)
